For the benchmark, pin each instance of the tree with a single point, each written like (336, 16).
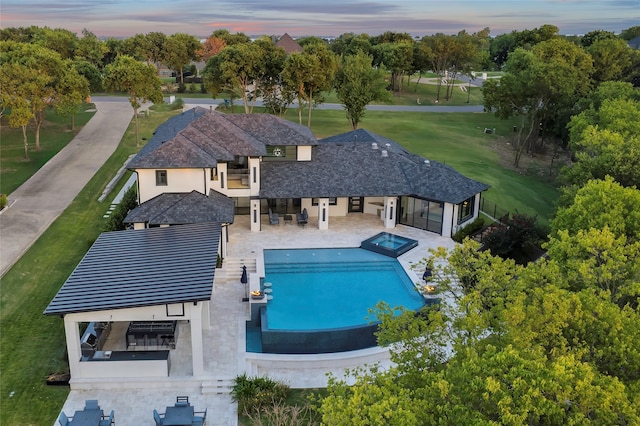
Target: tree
(595, 36)
(59, 40)
(138, 80)
(231, 39)
(396, 57)
(350, 44)
(605, 137)
(630, 33)
(311, 72)
(90, 49)
(45, 88)
(612, 60)
(539, 86)
(211, 47)
(16, 81)
(74, 90)
(180, 50)
(357, 84)
(240, 65)
(91, 73)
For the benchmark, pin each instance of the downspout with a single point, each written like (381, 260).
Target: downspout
(453, 218)
(204, 176)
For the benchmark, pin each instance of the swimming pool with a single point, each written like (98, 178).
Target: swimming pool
(389, 244)
(321, 298)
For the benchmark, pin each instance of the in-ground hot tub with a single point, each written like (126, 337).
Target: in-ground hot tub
(389, 244)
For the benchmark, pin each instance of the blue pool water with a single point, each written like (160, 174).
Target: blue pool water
(317, 289)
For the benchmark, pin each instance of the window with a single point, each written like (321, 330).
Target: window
(214, 173)
(161, 178)
(281, 153)
(466, 210)
(332, 201)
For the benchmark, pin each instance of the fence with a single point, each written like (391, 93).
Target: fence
(493, 210)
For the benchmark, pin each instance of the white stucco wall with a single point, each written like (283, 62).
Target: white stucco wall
(178, 180)
(304, 153)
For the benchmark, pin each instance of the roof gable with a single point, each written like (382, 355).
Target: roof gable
(288, 44)
(126, 269)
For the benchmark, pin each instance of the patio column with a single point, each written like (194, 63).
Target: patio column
(72, 334)
(255, 215)
(390, 212)
(197, 351)
(224, 240)
(323, 213)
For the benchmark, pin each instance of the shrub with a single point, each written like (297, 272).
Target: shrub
(192, 88)
(116, 220)
(519, 239)
(254, 393)
(470, 229)
(177, 104)
(3, 201)
(203, 89)
(182, 88)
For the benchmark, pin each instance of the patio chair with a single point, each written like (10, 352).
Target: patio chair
(302, 218)
(91, 404)
(157, 418)
(274, 219)
(63, 419)
(199, 418)
(107, 420)
(182, 401)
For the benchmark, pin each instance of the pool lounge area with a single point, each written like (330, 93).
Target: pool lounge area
(225, 339)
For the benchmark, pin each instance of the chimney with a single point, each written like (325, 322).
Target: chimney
(384, 153)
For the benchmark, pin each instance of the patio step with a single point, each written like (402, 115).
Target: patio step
(217, 387)
(232, 267)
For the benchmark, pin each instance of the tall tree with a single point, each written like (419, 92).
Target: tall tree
(211, 47)
(138, 80)
(180, 50)
(396, 57)
(74, 90)
(89, 48)
(358, 84)
(16, 83)
(312, 72)
(539, 85)
(613, 60)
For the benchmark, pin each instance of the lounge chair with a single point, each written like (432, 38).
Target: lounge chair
(302, 218)
(274, 219)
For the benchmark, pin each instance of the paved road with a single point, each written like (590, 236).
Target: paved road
(396, 108)
(41, 199)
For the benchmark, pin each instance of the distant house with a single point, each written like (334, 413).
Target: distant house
(634, 43)
(288, 44)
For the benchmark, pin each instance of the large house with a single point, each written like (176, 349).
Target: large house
(201, 170)
(259, 162)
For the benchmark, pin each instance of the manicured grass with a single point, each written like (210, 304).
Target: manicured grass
(456, 139)
(55, 134)
(33, 345)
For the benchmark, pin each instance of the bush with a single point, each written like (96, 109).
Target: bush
(203, 89)
(470, 229)
(129, 202)
(182, 88)
(177, 104)
(255, 393)
(192, 88)
(519, 239)
(3, 201)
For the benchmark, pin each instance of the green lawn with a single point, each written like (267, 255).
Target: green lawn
(33, 345)
(55, 134)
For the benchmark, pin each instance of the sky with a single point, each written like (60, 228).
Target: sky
(125, 18)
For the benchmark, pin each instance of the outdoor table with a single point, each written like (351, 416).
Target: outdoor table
(288, 218)
(86, 418)
(178, 416)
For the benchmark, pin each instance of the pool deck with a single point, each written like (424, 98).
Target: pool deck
(224, 342)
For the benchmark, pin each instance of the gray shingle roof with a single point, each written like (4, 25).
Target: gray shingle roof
(126, 269)
(347, 165)
(179, 208)
(201, 138)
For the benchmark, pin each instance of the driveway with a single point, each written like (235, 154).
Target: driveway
(41, 199)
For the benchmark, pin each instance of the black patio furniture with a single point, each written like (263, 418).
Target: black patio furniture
(302, 218)
(274, 219)
(287, 219)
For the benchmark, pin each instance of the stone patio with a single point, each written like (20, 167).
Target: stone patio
(225, 355)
